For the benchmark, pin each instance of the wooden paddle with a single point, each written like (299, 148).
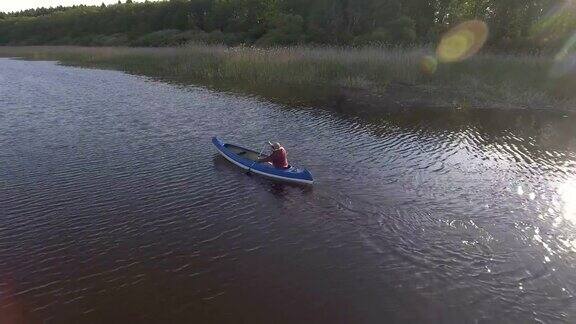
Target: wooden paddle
(253, 164)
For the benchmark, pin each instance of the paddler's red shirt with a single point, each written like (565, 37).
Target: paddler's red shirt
(278, 158)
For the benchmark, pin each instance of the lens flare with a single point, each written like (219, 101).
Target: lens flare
(556, 28)
(462, 41)
(428, 65)
(565, 60)
(555, 24)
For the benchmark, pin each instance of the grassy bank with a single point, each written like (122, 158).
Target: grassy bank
(367, 79)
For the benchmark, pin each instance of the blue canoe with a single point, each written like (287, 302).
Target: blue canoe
(245, 158)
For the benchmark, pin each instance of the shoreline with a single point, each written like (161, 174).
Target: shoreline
(354, 81)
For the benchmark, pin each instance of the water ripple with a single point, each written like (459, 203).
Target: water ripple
(115, 207)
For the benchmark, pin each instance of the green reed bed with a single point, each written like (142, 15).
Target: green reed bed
(300, 74)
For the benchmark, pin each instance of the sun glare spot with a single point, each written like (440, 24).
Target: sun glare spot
(462, 41)
(567, 192)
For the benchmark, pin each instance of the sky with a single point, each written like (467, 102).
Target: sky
(16, 5)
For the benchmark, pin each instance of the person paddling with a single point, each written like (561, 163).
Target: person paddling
(278, 158)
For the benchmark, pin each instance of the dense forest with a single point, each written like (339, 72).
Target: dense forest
(514, 24)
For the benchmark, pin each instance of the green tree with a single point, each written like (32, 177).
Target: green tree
(511, 22)
(287, 29)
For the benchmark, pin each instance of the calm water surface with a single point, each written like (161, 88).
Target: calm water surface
(115, 208)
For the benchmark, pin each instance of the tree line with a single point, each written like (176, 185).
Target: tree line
(514, 24)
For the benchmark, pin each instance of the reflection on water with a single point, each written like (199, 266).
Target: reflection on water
(115, 208)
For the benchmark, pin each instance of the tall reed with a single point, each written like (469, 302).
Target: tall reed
(300, 72)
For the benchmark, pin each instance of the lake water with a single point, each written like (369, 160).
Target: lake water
(115, 208)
